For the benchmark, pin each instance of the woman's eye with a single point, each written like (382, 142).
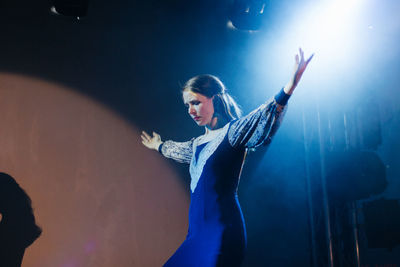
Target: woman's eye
(196, 102)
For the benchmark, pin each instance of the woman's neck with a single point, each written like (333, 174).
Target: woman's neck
(216, 124)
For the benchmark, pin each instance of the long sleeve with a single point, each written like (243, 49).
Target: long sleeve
(179, 151)
(258, 127)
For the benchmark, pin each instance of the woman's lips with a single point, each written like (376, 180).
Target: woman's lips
(196, 118)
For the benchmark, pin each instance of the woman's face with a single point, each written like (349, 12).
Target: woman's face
(200, 107)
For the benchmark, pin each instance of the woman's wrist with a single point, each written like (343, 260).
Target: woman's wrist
(159, 147)
(282, 97)
(289, 88)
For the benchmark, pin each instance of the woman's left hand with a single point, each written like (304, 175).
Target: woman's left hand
(299, 68)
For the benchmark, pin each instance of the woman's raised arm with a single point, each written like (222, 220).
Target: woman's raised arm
(299, 68)
(258, 127)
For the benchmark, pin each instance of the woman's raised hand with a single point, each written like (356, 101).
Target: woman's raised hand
(152, 142)
(300, 65)
(299, 68)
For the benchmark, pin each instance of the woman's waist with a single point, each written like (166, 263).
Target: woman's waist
(215, 210)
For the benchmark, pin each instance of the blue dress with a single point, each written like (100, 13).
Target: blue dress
(217, 234)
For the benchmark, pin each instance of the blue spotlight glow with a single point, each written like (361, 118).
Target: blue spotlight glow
(328, 29)
(334, 31)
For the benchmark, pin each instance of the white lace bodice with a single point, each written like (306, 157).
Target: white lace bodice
(255, 129)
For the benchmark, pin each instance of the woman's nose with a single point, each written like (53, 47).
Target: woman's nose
(192, 110)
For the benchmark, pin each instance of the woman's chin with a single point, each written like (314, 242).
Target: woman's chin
(199, 122)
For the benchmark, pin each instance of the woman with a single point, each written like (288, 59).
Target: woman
(216, 235)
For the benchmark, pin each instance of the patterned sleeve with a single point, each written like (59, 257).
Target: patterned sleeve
(178, 151)
(258, 127)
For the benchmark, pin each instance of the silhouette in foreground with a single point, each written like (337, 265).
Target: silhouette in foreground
(18, 228)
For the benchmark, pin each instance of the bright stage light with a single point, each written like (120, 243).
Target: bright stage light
(329, 29)
(336, 31)
(333, 31)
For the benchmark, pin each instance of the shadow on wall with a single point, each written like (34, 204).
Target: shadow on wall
(18, 229)
(101, 198)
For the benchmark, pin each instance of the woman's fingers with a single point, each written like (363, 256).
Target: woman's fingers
(301, 54)
(146, 135)
(300, 58)
(147, 138)
(149, 141)
(309, 59)
(144, 139)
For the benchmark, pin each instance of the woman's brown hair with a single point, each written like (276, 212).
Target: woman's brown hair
(211, 86)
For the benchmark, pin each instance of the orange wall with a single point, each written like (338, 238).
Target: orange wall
(101, 198)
